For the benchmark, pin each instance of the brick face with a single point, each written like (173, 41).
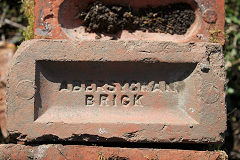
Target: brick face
(142, 87)
(73, 152)
(117, 91)
(56, 20)
(6, 53)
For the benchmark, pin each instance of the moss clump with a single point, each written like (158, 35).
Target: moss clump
(214, 35)
(28, 9)
(101, 157)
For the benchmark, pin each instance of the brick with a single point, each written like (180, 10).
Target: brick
(57, 20)
(135, 91)
(6, 53)
(71, 152)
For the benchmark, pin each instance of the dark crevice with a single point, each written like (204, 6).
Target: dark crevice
(93, 140)
(180, 146)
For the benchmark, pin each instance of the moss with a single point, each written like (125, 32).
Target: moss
(214, 35)
(28, 9)
(101, 157)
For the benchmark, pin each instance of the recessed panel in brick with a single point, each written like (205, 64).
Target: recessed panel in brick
(134, 91)
(111, 92)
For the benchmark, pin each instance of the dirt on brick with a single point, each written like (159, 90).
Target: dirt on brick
(102, 18)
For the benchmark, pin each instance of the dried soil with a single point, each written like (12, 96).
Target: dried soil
(173, 19)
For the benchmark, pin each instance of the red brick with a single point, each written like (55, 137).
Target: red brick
(56, 20)
(73, 152)
(6, 53)
(184, 100)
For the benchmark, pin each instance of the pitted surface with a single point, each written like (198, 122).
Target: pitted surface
(72, 152)
(136, 91)
(59, 19)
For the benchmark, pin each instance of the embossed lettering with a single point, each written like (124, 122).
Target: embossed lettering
(155, 86)
(63, 86)
(76, 86)
(134, 86)
(103, 99)
(115, 93)
(114, 99)
(124, 85)
(137, 100)
(125, 100)
(89, 100)
(145, 87)
(111, 87)
(90, 86)
(100, 85)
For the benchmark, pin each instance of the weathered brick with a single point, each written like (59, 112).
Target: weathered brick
(71, 152)
(6, 53)
(57, 20)
(134, 91)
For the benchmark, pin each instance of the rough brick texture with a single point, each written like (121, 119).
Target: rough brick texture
(134, 91)
(57, 20)
(72, 152)
(6, 53)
